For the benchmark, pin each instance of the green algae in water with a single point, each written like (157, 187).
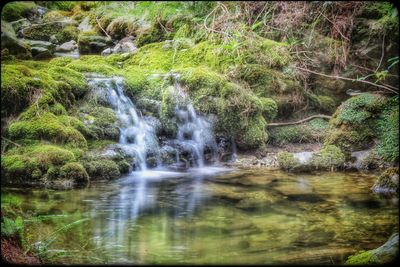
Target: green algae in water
(242, 217)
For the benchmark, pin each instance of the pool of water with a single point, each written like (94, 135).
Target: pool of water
(210, 215)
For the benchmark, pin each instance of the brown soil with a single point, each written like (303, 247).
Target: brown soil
(12, 253)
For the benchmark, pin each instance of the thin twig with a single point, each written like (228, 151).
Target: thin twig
(98, 23)
(277, 124)
(349, 79)
(383, 52)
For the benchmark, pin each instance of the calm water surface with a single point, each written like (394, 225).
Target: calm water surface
(210, 215)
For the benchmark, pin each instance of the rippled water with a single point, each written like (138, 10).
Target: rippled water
(210, 215)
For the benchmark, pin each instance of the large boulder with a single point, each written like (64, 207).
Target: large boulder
(41, 49)
(10, 42)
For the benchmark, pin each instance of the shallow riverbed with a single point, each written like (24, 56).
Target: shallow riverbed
(210, 215)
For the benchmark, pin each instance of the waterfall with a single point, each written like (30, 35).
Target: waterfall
(194, 139)
(195, 133)
(136, 136)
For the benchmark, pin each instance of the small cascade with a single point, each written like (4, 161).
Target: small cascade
(136, 136)
(195, 133)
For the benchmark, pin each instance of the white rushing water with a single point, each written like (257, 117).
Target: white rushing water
(137, 137)
(195, 132)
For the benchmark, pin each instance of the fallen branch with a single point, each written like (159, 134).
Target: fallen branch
(350, 79)
(98, 23)
(277, 124)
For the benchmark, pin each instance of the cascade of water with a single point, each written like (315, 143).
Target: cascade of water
(136, 136)
(195, 132)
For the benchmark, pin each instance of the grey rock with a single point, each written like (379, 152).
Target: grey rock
(53, 39)
(10, 42)
(41, 52)
(67, 46)
(43, 44)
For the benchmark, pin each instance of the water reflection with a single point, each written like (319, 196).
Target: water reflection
(216, 215)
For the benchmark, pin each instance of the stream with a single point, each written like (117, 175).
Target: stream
(212, 215)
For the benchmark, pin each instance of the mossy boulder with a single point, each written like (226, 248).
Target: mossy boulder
(329, 157)
(29, 164)
(92, 43)
(75, 171)
(102, 169)
(353, 125)
(17, 10)
(287, 161)
(388, 182)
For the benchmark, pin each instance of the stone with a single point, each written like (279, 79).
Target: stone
(106, 52)
(40, 52)
(67, 46)
(43, 44)
(125, 45)
(92, 44)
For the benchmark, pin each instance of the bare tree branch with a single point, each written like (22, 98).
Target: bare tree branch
(277, 124)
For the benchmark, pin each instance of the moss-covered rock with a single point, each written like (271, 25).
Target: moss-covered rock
(30, 163)
(92, 43)
(75, 171)
(353, 125)
(287, 161)
(17, 10)
(388, 182)
(102, 169)
(329, 157)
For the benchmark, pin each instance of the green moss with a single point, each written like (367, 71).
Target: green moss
(362, 258)
(47, 127)
(17, 10)
(100, 121)
(329, 157)
(31, 162)
(75, 79)
(55, 15)
(102, 169)
(287, 161)
(388, 125)
(354, 124)
(67, 34)
(75, 171)
(268, 108)
(310, 132)
(61, 5)
(93, 64)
